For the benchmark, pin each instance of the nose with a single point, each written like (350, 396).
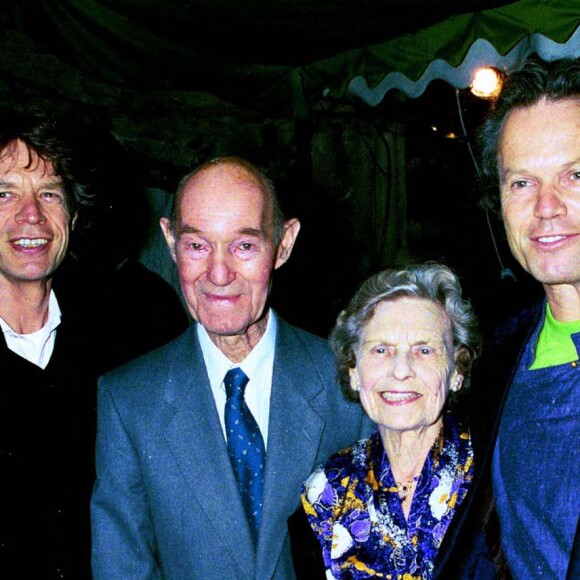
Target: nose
(403, 366)
(30, 212)
(549, 203)
(220, 271)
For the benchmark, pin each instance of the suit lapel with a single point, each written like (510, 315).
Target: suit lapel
(295, 431)
(195, 437)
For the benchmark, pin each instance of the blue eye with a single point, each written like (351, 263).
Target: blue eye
(424, 350)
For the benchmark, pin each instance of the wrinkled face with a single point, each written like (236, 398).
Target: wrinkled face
(405, 365)
(224, 250)
(34, 220)
(540, 189)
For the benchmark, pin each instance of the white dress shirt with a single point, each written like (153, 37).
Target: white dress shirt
(36, 347)
(257, 366)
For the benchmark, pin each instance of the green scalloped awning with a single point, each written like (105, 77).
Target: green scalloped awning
(451, 50)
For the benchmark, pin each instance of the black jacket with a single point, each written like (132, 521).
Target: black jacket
(47, 419)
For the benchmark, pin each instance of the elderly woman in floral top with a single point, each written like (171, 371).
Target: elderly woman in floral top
(404, 346)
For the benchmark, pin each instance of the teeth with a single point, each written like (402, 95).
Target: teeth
(396, 397)
(548, 239)
(28, 243)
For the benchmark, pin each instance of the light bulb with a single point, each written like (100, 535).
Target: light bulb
(486, 82)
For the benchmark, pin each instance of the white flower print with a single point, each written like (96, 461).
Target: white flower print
(439, 498)
(341, 541)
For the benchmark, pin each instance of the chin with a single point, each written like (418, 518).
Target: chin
(225, 328)
(553, 278)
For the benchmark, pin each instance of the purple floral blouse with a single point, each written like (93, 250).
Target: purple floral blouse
(354, 508)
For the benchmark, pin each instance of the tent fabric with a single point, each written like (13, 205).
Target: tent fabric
(242, 53)
(502, 38)
(274, 58)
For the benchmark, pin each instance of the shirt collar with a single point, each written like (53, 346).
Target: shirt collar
(218, 364)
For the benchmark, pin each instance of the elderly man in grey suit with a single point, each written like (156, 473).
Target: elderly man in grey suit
(203, 444)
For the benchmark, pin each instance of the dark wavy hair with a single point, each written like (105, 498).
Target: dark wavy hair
(430, 281)
(536, 80)
(52, 140)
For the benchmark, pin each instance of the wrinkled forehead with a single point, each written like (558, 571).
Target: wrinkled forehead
(420, 317)
(17, 155)
(229, 185)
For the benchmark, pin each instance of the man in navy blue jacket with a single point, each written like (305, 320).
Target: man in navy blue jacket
(530, 146)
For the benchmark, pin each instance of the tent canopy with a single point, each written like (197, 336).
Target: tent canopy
(263, 56)
(450, 50)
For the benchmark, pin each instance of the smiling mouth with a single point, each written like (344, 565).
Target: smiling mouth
(220, 298)
(396, 397)
(31, 242)
(550, 239)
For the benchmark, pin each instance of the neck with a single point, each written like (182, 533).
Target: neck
(238, 346)
(407, 450)
(24, 306)
(564, 301)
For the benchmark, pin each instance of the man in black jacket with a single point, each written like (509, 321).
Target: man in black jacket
(58, 338)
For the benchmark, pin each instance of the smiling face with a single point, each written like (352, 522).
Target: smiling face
(34, 220)
(540, 190)
(405, 365)
(224, 249)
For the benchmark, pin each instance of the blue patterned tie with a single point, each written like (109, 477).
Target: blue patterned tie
(246, 447)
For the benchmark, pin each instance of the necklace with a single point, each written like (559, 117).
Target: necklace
(404, 489)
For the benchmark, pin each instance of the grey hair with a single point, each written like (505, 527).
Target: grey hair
(431, 281)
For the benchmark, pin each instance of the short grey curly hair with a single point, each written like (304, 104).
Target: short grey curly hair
(431, 281)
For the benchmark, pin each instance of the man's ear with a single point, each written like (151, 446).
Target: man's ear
(291, 229)
(167, 230)
(456, 382)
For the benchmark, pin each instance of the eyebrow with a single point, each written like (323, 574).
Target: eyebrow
(505, 173)
(427, 340)
(52, 184)
(187, 229)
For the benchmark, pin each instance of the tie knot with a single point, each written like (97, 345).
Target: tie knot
(235, 382)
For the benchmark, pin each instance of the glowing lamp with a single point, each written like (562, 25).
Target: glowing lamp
(486, 82)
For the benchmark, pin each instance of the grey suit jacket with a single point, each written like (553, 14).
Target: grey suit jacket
(165, 503)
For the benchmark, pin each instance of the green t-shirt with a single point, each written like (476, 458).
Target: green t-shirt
(555, 345)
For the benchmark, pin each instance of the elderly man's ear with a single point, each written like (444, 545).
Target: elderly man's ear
(456, 382)
(167, 230)
(291, 229)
